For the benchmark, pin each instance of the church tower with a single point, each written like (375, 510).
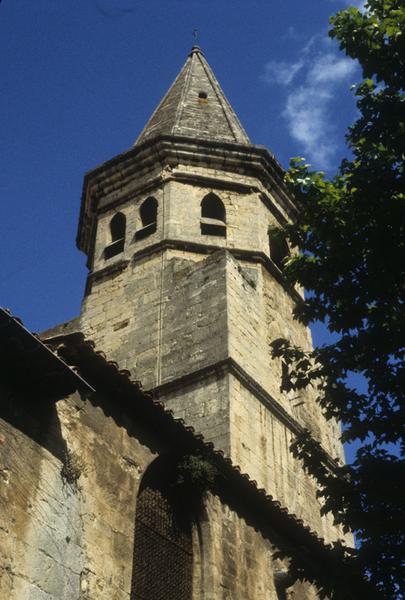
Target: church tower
(185, 288)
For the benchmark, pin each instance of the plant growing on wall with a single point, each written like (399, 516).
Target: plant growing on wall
(193, 476)
(73, 467)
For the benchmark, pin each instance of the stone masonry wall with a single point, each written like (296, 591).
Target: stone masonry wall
(66, 541)
(260, 445)
(171, 313)
(121, 315)
(260, 311)
(60, 541)
(194, 316)
(178, 218)
(204, 404)
(162, 317)
(41, 541)
(239, 563)
(169, 316)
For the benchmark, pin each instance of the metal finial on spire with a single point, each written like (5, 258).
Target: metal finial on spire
(196, 48)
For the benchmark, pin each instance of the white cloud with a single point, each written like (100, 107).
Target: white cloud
(281, 72)
(330, 68)
(306, 116)
(360, 4)
(312, 82)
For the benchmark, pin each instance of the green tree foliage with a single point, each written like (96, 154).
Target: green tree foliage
(351, 234)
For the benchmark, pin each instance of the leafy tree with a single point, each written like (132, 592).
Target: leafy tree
(351, 234)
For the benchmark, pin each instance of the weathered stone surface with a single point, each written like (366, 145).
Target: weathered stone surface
(191, 315)
(195, 106)
(174, 312)
(62, 540)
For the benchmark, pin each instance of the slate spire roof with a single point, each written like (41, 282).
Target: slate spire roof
(195, 106)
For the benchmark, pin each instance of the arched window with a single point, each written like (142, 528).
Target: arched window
(278, 250)
(117, 236)
(163, 555)
(148, 214)
(213, 216)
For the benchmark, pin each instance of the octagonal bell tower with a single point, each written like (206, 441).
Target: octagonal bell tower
(186, 292)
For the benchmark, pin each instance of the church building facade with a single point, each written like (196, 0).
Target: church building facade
(159, 453)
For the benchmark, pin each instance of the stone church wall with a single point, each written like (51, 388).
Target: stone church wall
(204, 403)
(41, 552)
(162, 317)
(61, 540)
(169, 318)
(121, 315)
(260, 445)
(239, 562)
(194, 316)
(66, 540)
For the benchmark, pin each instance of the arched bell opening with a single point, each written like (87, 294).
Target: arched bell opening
(213, 216)
(148, 217)
(279, 250)
(117, 236)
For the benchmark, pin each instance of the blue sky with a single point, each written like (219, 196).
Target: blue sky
(81, 77)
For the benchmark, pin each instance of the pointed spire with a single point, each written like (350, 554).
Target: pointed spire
(195, 106)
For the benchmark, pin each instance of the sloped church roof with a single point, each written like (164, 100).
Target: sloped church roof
(195, 106)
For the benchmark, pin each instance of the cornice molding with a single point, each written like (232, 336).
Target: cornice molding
(188, 178)
(252, 256)
(167, 152)
(108, 271)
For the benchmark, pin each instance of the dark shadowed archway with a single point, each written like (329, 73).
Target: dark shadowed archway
(163, 554)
